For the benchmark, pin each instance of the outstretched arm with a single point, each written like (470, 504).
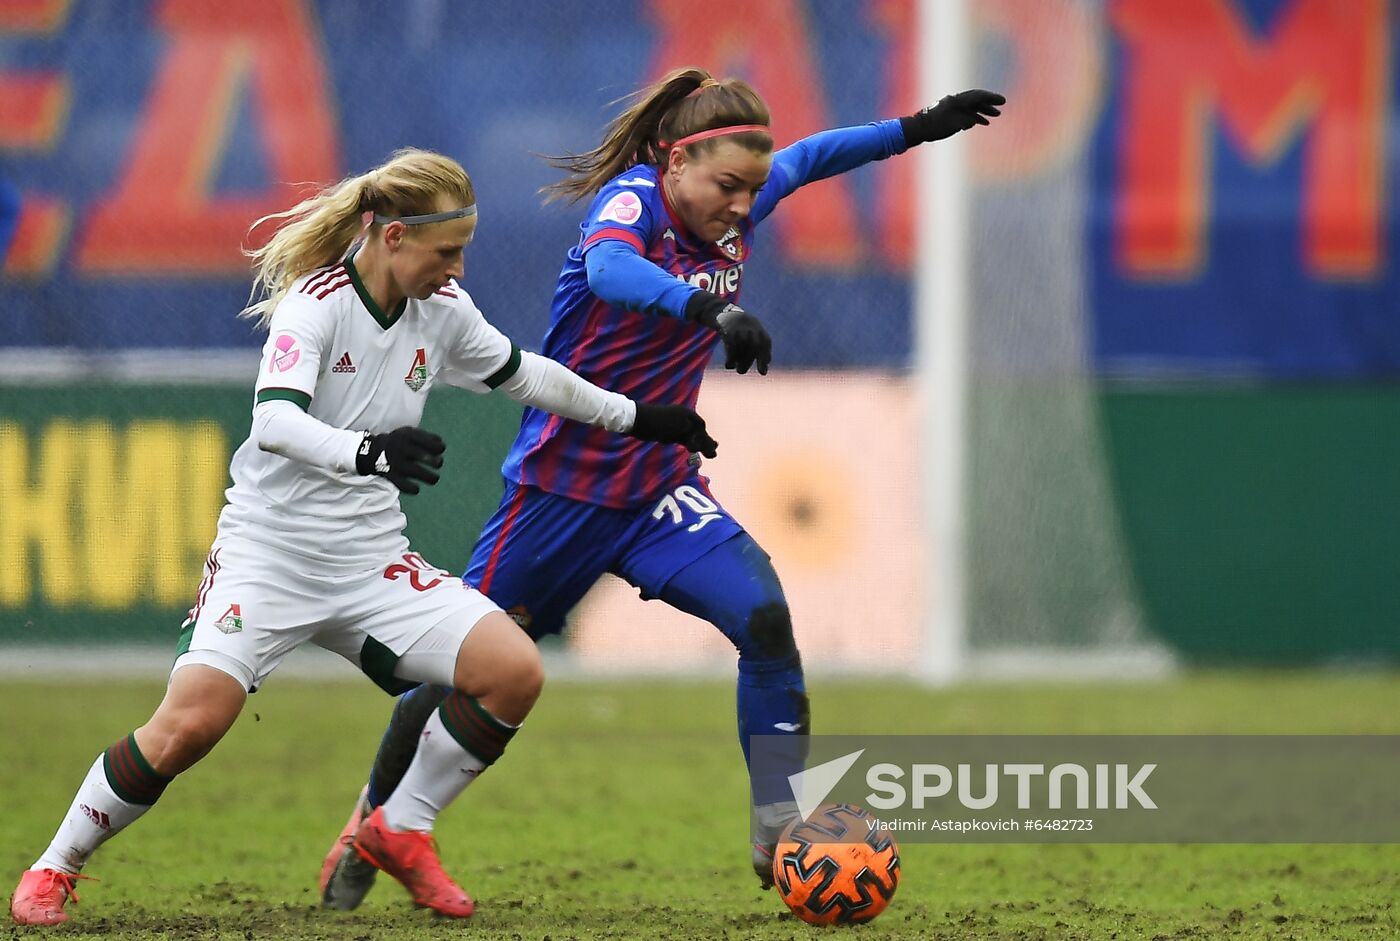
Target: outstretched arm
(544, 384)
(833, 152)
(827, 154)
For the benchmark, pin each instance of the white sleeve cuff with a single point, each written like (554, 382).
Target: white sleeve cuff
(547, 385)
(282, 428)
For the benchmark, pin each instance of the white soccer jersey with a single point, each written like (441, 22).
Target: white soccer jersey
(332, 351)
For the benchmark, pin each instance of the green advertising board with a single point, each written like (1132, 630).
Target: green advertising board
(109, 495)
(1263, 522)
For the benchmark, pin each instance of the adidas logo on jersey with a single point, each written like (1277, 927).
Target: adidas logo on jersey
(343, 364)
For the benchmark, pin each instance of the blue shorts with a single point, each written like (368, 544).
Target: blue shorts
(540, 553)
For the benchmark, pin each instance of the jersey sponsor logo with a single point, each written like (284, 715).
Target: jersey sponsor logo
(668, 234)
(724, 282)
(343, 364)
(417, 376)
(286, 353)
(625, 208)
(232, 620)
(637, 181)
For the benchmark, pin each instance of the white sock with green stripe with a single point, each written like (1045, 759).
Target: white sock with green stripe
(441, 769)
(460, 740)
(95, 816)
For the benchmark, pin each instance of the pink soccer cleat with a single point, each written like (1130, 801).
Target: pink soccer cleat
(39, 897)
(411, 857)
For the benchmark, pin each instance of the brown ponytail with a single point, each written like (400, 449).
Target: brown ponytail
(681, 103)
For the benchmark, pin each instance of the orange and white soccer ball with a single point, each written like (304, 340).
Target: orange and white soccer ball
(837, 867)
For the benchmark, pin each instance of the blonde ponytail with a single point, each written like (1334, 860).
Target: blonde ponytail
(320, 230)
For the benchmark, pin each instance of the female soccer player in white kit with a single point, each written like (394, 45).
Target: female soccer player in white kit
(364, 317)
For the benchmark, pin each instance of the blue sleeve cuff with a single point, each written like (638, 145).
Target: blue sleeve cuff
(893, 133)
(623, 278)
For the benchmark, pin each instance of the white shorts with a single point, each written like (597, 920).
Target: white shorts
(256, 605)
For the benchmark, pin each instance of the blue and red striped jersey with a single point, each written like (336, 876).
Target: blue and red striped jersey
(641, 345)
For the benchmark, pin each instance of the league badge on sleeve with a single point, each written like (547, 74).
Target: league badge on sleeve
(625, 208)
(285, 353)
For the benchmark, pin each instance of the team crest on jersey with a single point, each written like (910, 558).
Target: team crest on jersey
(624, 207)
(285, 353)
(731, 244)
(232, 620)
(417, 376)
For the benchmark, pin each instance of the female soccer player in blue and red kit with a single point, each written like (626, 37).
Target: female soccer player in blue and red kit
(678, 186)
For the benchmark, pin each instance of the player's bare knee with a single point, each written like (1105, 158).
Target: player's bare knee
(500, 662)
(519, 674)
(530, 674)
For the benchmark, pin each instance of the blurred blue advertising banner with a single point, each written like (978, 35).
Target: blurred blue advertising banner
(1236, 155)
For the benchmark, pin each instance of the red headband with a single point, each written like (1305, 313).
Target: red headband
(718, 132)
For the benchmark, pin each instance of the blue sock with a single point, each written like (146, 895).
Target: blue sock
(400, 740)
(772, 701)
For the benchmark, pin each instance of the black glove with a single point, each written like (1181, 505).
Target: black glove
(673, 424)
(952, 114)
(404, 455)
(746, 343)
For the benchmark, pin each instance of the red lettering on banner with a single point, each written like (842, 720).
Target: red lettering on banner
(161, 218)
(1054, 96)
(1324, 65)
(1053, 100)
(32, 16)
(34, 106)
(39, 237)
(768, 42)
